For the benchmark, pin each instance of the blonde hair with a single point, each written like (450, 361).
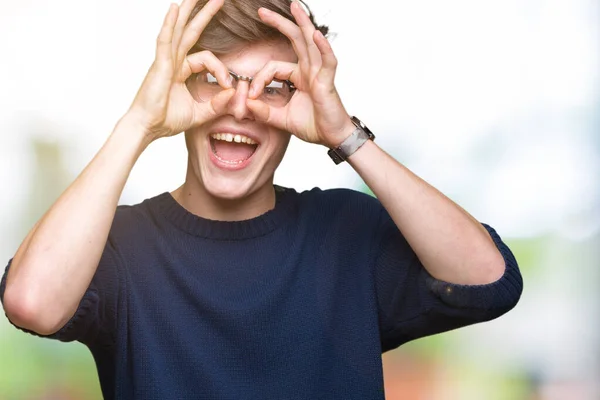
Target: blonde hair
(237, 23)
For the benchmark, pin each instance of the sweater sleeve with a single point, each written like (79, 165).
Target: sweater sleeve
(95, 318)
(413, 304)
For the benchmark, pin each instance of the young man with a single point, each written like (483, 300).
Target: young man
(231, 287)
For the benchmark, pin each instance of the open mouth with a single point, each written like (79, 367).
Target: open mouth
(232, 149)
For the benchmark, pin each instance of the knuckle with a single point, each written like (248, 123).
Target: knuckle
(264, 73)
(207, 56)
(160, 68)
(296, 36)
(162, 40)
(272, 67)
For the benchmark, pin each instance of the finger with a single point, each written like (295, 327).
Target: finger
(215, 107)
(186, 8)
(289, 30)
(308, 30)
(274, 116)
(196, 26)
(326, 74)
(273, 70)
(205, 60)
(165, 38)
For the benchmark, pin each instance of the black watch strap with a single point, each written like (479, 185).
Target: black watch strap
(359, 137)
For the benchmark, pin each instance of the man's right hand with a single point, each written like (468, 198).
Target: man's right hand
(163, 105)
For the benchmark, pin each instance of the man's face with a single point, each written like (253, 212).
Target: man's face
(234, 169)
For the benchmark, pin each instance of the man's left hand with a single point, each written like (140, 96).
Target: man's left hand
(315, 112)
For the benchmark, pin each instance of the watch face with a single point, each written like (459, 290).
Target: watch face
(352, 143)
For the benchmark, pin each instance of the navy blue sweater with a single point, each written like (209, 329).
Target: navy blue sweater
(298, 303)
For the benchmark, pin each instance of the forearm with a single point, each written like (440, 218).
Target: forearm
(451, 244)
(57, 260)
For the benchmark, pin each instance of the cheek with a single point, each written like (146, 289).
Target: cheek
(281, 141)
(279, 144)
(189, 142)
(193, 140)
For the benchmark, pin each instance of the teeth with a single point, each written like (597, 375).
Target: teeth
(230, 137)
(230, 162)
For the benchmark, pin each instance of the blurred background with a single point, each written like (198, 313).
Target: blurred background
(495, 103)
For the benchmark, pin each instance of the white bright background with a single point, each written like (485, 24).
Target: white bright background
(436, 81)
(496, 103)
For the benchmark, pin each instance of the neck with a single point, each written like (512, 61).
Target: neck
(194, 197)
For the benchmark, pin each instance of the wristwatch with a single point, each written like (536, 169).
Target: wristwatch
(359, 137)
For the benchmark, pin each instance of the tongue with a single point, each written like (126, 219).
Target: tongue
(232, 151)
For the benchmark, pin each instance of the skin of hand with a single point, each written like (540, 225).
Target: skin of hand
(163, 105)
(315, 113)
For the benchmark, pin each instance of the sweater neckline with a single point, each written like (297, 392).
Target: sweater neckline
(229, 230)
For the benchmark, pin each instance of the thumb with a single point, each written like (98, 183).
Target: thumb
(270, 115)
(213, 108)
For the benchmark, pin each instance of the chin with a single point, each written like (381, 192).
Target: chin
(229, 188)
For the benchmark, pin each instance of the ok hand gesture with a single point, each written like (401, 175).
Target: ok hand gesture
(315, 113)
(163, 104)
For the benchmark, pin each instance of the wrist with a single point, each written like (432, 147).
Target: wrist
(343, 134)
(358, 135)
(132, 133)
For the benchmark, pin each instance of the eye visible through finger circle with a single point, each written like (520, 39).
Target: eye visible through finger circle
(205, 85)
(210, 79)
(276, 92)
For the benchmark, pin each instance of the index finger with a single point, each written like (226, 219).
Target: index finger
(197, 25)
(205, 60)
(273, 70)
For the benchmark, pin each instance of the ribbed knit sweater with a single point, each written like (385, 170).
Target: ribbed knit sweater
(298, 303)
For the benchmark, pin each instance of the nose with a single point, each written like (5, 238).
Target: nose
(237, 104)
